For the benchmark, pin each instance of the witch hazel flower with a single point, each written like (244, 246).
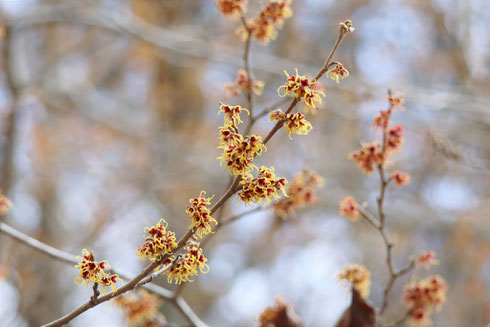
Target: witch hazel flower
(238, 155)
(338, 72)
(243, 84)
(139, 310)
(367, 157)
(423, 297)
(232, 113)
(188, 265)
(262, 188)
(230, 8)
(300, 86)
(400, 178)
(158, 242)
(394, 138)
(263, 27)
(277, 11)
(92, 271)
(358, 276)
(200, 215)
(5, 205)
(301, 193)
(426, 259)
(349, 208)
(295, 123)
(229, 134)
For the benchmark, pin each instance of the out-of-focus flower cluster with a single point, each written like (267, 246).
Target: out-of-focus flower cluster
(158, 242)
(200, 214)
(5, 205)
(280, 315)
(400, 178)
(140, 309)
(243, 84)
(349, 208)
(93, 271)
(423, 297)
(357, 276)
(426, 259)
(262, 188)
(300, 86)
(185, 266)
(301, 193)
(264, 27)
(231, 8)
(374, 154)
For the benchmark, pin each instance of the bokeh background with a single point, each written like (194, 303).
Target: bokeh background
(116, 123)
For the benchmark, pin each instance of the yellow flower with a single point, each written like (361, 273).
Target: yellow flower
(358, 276)
(232, 113)
(262, 188)
(339, 71)
(200, 215)
(301, 87)
(187, 266)
(349, 208)
(158, 242)
(230, 8)
(239, 154)
(296, 123)
(92, 271)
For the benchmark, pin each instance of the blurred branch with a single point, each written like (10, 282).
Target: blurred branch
(127, 23)
(11, 118)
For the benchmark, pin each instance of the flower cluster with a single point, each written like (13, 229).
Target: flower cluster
(426, 259)
(92, 271)
(141, 309)
(358, 276)
(294, 123)
(200, 214)
(338, 72)
(372, 154)
(5, 205)
(394, 138)
(301, 87)
(263, 27)
(369, 155)
(282, 314)
(261, 188)
(186, 266)
(400, 178)
(243, 84)
(301, 193)
(349, 208)
(238, 151)
(230, 8)
(158, 242)
(239, 154)
(423, 297)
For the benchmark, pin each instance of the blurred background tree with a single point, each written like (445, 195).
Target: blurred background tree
(109, 122)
